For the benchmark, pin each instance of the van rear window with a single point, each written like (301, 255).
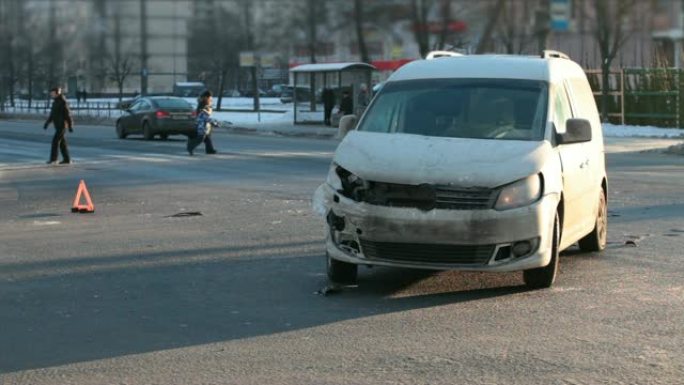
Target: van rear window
(461, 108)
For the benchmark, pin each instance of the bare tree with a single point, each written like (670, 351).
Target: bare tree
(228, 43)
(120, 65)
(514, 28)
(493, 14)
(98, 45)
(119, 70)
(419, 19)
(10, 14)
(54, 48)
(610, 31)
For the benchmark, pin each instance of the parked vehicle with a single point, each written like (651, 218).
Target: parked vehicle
(484, 163)
(232, 93)
(161, 115)
(287, 96)
(276, 90)
(188, 89)
(250, 93)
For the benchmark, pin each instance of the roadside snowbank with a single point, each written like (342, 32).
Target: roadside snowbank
(625, 131)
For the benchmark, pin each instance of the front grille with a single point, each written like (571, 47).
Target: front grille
(428, 253)
(464, 199)
(427, 197)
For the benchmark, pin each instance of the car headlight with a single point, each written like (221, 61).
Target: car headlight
(519, 194)
(333, 178)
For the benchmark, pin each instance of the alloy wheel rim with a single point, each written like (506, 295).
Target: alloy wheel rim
(602, 225)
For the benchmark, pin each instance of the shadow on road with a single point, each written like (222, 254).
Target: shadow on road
(86, 309)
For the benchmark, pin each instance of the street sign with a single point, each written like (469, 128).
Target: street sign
(560, 12)
(247, 59)
(268, 60)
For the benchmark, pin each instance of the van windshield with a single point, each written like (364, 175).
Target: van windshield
(461, 108)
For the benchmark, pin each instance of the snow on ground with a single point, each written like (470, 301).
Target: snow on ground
(237, 118)
(625, 131)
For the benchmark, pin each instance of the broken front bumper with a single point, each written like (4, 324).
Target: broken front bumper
(478, 240)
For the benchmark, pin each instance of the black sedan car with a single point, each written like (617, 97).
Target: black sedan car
(159, 115)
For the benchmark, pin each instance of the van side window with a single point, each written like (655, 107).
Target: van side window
(562, 109)
(584, 97)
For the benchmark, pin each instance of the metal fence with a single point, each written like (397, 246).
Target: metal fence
(96, 109)
(642, 96)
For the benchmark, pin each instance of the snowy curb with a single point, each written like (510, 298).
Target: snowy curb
(624, 131)
(298, 133)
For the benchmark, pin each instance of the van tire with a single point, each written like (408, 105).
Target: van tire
(543, 277)
(341, 272)
(596, 240)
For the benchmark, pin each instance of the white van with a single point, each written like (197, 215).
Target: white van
(483, 163)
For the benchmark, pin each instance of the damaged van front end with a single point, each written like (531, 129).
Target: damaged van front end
(439, 213)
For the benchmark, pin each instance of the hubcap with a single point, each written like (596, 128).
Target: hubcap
(602, 221)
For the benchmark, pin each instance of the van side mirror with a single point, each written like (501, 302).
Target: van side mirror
(347, 123)
(576, 131)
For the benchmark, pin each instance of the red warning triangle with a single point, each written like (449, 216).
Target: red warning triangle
(77, 207)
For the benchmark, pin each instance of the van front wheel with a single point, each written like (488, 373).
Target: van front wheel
(341, 272)
(543, 277)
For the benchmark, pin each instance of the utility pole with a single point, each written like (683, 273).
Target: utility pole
(311, 21)
(247, 9)
(143, 48)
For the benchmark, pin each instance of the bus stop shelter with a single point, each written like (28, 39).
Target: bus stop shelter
(311, 79)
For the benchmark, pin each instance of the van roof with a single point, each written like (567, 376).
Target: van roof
(490, 66)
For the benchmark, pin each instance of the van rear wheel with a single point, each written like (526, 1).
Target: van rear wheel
(341, 272)
(597, 239)
(543, 277)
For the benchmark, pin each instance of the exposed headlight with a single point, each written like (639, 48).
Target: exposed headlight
(333, 179)
(519, 194)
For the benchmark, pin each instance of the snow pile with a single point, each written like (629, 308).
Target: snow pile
(624, 131)
(237, 118)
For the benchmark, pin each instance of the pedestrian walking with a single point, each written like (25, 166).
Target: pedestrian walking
(60, 117)
(328, 104)
(346, 104)
(84, 96)
(204, 125)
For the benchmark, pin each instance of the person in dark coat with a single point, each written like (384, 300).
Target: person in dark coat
(60, 117)
(328, 104)
(346, 104)
(204, 125)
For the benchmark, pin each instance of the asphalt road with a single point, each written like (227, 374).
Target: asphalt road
(133, 295)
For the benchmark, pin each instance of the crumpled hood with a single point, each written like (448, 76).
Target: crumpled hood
(416, 159)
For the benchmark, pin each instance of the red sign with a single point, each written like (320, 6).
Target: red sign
(437, 27)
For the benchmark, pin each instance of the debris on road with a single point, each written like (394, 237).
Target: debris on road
(334, 288)
(186, 214)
